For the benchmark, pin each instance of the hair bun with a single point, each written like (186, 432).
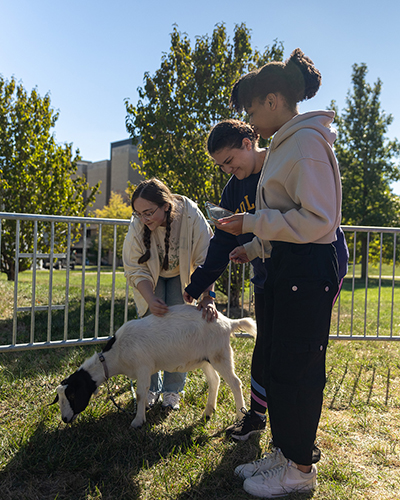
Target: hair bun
(310, 74)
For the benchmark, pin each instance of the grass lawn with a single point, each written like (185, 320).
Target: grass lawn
(178, 456)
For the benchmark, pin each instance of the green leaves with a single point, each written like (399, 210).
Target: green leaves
(366, 157)
(37, 176)
(178, 105)
(117, 208)
(367, 164)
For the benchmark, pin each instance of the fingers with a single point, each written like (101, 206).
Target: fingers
(158, 307)
(208, 310)
(187, 298)
(232, 225)
(238, 253)
(210, 313)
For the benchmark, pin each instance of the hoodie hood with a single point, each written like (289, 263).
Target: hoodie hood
(299, 192)
(319, 121)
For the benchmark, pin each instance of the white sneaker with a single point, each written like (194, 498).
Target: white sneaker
(269, 461)
(171, 400)
(280, 481)
(152, 398)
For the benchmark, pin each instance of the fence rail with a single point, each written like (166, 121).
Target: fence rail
(367, 307)
(83, 222)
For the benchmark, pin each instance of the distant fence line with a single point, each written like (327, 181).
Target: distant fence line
(361, 312)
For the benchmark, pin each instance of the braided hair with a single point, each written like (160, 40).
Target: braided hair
(166, 241)
(157, 192)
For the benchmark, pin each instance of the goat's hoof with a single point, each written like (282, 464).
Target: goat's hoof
(207, 417)
(136, 426)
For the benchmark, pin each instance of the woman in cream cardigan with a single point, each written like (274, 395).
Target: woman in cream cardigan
(168, 238)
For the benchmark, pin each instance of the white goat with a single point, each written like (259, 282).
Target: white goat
(180, 341)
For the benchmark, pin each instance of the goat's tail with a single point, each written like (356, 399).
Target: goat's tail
(247, 325)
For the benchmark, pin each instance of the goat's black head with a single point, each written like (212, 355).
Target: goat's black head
(73, 394)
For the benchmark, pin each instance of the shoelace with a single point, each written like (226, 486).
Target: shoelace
(275, 471)
(265, 458)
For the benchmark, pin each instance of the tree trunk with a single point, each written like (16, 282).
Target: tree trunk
(11, 272)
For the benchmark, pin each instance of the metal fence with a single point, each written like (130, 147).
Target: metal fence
(365, 310)
(71, 334)
(368, 307)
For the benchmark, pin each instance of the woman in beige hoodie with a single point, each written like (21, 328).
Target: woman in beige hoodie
(298, 208)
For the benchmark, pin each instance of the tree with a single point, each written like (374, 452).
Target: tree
(116, 209)
(37, 175)
(367, 159)
(179, 104)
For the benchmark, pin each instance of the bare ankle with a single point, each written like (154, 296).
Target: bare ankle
(304, 468)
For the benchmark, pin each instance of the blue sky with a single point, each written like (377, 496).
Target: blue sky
(91, 55)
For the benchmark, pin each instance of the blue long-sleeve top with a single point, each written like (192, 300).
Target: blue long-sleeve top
(238, 196)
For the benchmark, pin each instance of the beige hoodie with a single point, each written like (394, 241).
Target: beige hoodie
(193, 245)
(299, 193)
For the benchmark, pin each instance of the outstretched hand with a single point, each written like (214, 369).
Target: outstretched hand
(239, 255)
(207, 306)
(232, 224)
(158, 307)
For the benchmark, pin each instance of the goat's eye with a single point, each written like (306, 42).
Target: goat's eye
(71, 397)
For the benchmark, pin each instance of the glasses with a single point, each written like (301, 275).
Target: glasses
(148, 214)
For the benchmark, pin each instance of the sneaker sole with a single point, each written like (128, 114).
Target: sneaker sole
(264, 493)
(245, 437)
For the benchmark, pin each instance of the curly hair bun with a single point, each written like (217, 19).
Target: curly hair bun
(311, 75)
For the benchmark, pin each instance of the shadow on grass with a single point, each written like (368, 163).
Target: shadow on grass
(93, 458)
(222, 484)
(356, 385)
(359, 283)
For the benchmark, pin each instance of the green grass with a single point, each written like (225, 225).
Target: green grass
(179, 456)
(360, 311)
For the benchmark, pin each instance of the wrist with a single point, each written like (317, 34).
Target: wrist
(209, 294)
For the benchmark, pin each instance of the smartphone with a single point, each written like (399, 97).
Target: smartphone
(216, 212)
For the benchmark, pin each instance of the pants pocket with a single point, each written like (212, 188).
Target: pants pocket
(303, 309)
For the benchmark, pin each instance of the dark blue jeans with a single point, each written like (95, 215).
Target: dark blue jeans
(170, 291)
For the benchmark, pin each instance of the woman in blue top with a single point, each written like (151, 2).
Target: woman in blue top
(239, 142)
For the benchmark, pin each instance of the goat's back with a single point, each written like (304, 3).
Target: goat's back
(183, 328)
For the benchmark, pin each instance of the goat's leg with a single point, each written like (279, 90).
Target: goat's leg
(225, 367)
(213, 386)
(142, 388)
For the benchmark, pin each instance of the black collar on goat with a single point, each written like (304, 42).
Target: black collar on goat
(182, 340)
(74, 392)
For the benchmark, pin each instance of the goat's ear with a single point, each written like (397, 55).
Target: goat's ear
(54, 402)
(96, 390)
(64, 382)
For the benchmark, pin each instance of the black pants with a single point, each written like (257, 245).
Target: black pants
(299, 294)
(258, 393)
